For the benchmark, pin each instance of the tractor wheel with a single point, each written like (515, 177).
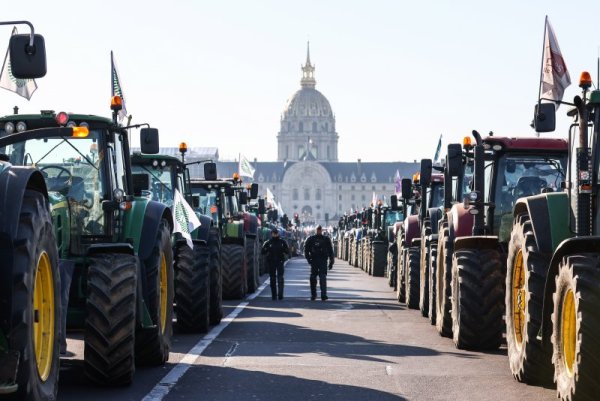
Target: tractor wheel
(109, 334)
(477, 299)
(412, 272)
(424, 270)
(251, 264)
(216, 278)
(432, 280)
(443, 281)
(379, 258)
(575, 328)
(152, 345)
(401, 277)
(529, 361)
(233, 267)
(35, 298)
(192, 287)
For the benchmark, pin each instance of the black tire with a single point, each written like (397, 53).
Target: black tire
(192, 287)
(432, 280)
(424, 270)
(578, 275)
(412, 277)
(216, 277)
(527, 268)
(443, 280)
(477, 299)
(401, 277)
(34, 243)
(233, 266)
(251, 264)
(380, 251)
(152, 345)
(109, 334)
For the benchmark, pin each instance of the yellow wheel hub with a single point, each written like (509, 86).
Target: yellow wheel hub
(44, 318)
(163, 282)
(569, 331)
(519, 301)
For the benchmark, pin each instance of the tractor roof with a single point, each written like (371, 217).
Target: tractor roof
(50, 116)
(139, 158)
(528, 144)
(201, 183)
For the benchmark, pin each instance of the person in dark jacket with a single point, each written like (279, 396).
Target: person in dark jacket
(276, 251)
(318, 250)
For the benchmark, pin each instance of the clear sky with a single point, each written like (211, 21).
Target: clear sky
(218, 73)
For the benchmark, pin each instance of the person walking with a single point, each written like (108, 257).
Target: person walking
(276, 251)
(317, 250)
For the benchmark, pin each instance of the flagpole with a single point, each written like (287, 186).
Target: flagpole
(541, 72)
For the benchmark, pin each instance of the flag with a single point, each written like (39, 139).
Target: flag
(245, 168)
(374, 199)
(555, 76)
(116, 88)
(438, 149)
(398, 182)
(185, 220)
(270, 198)
(22, 87)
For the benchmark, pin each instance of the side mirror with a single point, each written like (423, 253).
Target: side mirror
(406, 188)
(454, 160)
(544, 119)
(141, 182)
(195, 202)
(149, 141)
(261, 206)
(394, 202)
(425, 176)
(243, 198)
(229, 191)
(210, 171)
(254, 191)
(27, 62)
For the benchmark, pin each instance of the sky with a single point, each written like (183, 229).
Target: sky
(218, 73)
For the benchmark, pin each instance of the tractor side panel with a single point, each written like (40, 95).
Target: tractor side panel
(412, 229)
(201, 233)
(251, 224)
(142, 223)
(462, 221)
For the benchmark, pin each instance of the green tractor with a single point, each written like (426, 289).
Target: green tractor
(198, 301)
(223, 201)
(114, 249)
(381, 222)
(553, 314)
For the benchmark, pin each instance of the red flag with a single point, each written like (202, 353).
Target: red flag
(555, 76)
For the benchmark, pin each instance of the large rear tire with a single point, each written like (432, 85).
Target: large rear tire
(576, 328)
(526, 274)
(477, 299)
(109, 334)
(233, 267)
(412, 271)
(432, 280)
(443, 280)
(379, 251)
(424, 270)
(252, 264)
(35, 298)
(152, 345)
(401, 277)
(216, 277)
(192, 287)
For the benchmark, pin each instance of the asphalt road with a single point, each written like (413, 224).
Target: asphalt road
(359, 345)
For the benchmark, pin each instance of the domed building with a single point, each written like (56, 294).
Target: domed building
(307, 178)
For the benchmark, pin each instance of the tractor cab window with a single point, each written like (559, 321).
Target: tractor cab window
(208, 201)
(436, 195)
(392, 216)
(160, 182)
(72, 169)
(118, 166)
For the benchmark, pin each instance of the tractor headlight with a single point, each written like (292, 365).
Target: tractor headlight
(118, 194)
(154, 163)
(9, 128)
(473, 196)
(21, 126)
(84, 124)
(71, 124)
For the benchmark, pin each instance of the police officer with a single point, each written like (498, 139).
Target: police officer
(317, 250)
(275, 251)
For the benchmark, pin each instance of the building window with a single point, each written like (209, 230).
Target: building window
(289, 126)
(301, 126)
(318, 216)
(306, 194)
(340, 187)
(373, 187)
(340, 206)
(352, 188)
(383, 188)
(364, 198)
(287, 151)
(314, 127)
(273, 187)
(328, 152)
(340, 197)
(363, 187)
(318, 194)
(295, 194)
(352, 197)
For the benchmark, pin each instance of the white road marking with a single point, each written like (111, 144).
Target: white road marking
(165, 385)
(388, 370)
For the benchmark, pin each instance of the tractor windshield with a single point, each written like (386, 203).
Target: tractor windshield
(161, 182)
(392, 216)
(208, 200)
(72, 170)
(436, 194)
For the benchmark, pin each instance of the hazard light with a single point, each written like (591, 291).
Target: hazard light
(585, 80)
(116, 103)
(80, 132)
(62, 118)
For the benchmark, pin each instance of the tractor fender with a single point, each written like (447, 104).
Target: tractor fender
(153, 214)
(201, 233)
(461, 221)
(434, 214)
(549, 221)
(567, 247)
(13, 183)
(478, 242)
(251, 224)
(412, 229)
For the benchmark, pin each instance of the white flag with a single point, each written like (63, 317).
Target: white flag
(185, 220)
(270, 198)
(22, 87)
(374, 200)
(117, 89)
(555, 76)
(245, 168)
